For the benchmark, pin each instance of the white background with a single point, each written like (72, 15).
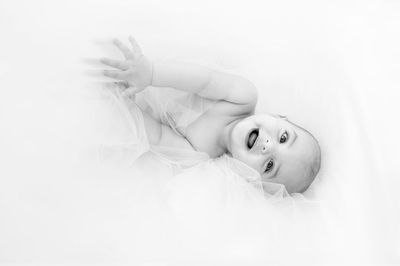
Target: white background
(331, 66)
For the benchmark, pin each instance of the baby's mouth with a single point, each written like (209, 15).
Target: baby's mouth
(252, 137)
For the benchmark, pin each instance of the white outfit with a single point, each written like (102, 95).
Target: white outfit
(178, 110)
(202, 197)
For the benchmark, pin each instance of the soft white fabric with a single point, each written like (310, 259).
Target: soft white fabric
(177, 110)
(212, 203)
(220, 207)
(330, 66)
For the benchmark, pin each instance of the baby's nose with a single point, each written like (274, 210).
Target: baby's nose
(265, 146)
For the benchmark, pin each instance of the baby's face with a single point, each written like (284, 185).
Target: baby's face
(278, 149)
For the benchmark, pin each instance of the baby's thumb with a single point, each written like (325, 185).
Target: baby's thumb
(122, 85)
(131, 91)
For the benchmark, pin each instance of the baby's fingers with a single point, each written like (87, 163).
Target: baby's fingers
(125, 50)
(115, 74)
(115, 63)
(135, 45)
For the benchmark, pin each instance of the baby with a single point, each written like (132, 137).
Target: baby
(279, 150)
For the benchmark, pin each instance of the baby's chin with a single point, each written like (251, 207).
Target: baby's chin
(238, 139)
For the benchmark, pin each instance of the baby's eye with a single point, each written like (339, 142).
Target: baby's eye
(284, 137)
(270, 165)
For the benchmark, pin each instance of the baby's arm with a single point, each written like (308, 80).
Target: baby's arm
(140, 72)
(203, 81)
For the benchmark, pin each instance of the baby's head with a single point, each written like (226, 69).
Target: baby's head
(279, 150)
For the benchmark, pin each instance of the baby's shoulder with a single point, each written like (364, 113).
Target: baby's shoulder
(205, 133)
(228, 109)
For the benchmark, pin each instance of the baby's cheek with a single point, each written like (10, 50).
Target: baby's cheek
(243, 156)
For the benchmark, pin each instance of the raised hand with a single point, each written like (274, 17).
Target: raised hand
(136, 70)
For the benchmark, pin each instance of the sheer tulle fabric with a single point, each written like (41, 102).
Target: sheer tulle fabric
(219, 207)
(176, 109)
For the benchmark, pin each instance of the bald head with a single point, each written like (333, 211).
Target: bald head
(281, 151)
(302, 163)
(314, 165)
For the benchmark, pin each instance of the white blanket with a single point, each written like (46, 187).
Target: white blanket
(331, 67)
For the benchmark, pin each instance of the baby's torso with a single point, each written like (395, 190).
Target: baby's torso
(203, 134)
(189, 123)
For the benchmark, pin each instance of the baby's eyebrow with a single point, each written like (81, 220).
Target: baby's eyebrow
(277, 170)
(294, 138)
